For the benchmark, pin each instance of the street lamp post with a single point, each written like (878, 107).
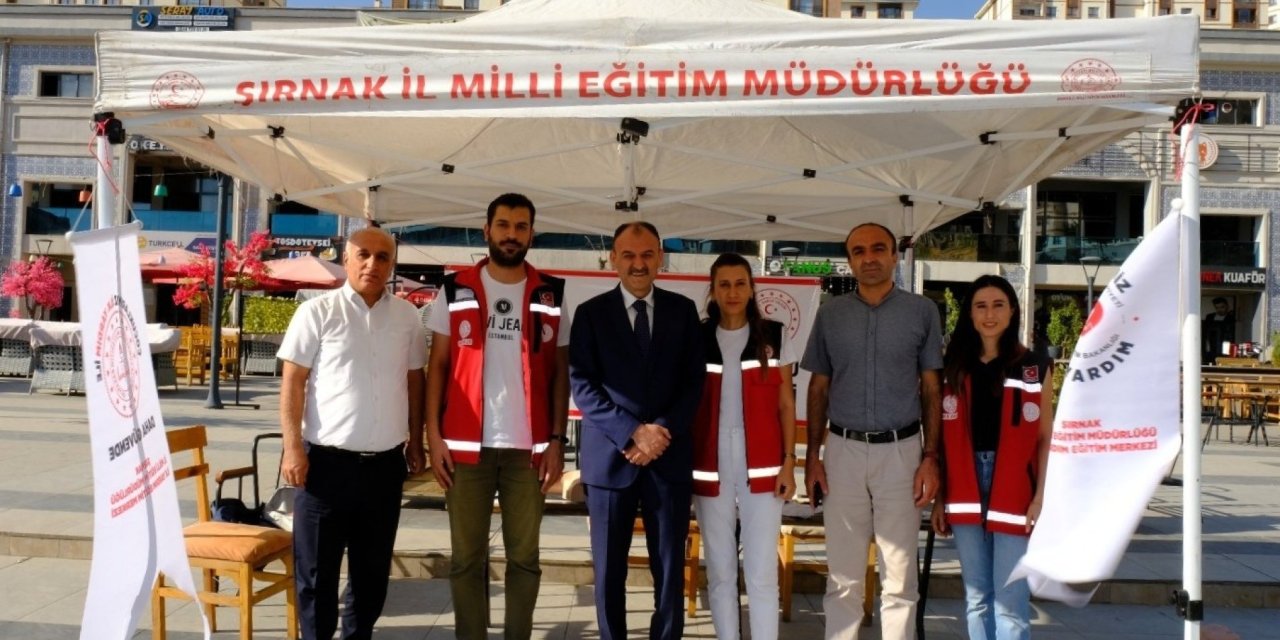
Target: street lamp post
(1090, 265)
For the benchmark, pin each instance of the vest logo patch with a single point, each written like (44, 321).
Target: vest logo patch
(1031, 375)
(548, 299)
(464, 333)
(465, 294)
(950, 408)
(548, 334)
(1030, 411)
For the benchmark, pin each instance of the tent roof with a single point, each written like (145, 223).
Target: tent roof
(757, 122)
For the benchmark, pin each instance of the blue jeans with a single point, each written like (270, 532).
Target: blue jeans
(994, 610)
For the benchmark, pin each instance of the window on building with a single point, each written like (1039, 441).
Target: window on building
(857, 11)
(1050, 12)
(1029, 12)
(1186, 11)
(1210, 9)
(1093, 12)
(193, 3)
(55, 208)
(1245, 16)
(66, 84)
(808, 7)
(1232, 111)
(471, 5)
(297, 219)
(888, 11)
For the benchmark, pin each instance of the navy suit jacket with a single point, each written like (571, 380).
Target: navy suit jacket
(617, 389)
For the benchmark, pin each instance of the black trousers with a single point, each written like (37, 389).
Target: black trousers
(351, 503)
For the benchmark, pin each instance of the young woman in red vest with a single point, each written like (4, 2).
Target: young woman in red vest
(996, 425)
(743, 449)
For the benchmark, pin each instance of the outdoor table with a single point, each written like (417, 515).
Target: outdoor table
(15, 347)
(58, 362)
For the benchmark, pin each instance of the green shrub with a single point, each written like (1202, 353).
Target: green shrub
(267, 315)
(1065, 325)
(953, 311)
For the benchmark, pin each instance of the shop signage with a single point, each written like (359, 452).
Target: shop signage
(298, 246)
(1251, 278)
(146, 145)
(184, 18)
(808, 267)
(152, 240)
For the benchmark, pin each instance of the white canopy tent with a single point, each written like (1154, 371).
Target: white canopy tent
(750, 121)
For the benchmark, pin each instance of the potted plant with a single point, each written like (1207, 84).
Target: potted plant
(1065, 324)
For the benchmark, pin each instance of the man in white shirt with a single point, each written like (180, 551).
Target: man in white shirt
(497, 404)
(350, 398)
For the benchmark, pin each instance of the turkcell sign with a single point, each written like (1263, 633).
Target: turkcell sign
(184, 18)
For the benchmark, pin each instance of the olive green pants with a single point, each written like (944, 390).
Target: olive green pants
(508, 473)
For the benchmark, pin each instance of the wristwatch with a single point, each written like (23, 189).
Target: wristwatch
(562, 438)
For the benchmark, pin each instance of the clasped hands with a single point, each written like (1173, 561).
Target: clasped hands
(648, 441)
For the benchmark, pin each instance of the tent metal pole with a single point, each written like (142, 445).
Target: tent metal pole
(214, 399)
(1190, 600)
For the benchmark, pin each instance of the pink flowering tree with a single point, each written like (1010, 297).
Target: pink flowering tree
(242, 270)
(37, 284)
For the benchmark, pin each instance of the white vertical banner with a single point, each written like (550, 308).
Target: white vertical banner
(137, 529)
(1116, 430)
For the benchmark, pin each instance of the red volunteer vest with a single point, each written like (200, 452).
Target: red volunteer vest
(1013, 484)
(759, 411)
(463, 422)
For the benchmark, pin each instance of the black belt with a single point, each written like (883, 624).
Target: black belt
(358, 455)
(878, 437)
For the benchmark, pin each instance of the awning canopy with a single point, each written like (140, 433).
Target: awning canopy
(711, 119)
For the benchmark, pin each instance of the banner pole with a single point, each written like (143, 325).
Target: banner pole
(1189, 600)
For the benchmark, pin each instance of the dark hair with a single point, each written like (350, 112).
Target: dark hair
(637, 225)
(965, 348)
(756, 339)
(893, 240)
(1219, 299)
(510, 201)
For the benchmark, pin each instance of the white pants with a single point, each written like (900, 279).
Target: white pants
(871, 494)
(761, 515)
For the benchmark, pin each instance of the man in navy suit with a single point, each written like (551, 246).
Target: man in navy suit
(636, 370)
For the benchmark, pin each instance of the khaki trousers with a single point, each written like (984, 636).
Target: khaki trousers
(871, 494)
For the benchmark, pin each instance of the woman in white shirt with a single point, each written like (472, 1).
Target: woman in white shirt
(744, 441)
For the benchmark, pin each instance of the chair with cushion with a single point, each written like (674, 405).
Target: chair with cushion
(245, 554)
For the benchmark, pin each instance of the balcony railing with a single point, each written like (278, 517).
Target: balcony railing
(968, 247)
(166, 220)
(1069, 249)
(1229, 254)
(57, 220)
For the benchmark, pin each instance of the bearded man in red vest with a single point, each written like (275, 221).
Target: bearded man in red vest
(497, 405)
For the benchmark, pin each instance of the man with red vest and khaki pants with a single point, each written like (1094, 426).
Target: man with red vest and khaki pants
(497, 404)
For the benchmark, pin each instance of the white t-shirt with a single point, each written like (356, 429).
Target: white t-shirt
(356, 394)
(732, 342)
(505, 424)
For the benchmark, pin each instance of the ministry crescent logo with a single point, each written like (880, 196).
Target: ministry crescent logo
(779, 306)
(1089, 75)
(118, 352)
(176, 90)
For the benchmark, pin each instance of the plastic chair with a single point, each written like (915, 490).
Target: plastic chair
(239, 552)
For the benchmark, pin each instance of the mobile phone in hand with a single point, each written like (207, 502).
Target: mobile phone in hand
(816, 498)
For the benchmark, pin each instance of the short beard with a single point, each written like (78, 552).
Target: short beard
(499, 258)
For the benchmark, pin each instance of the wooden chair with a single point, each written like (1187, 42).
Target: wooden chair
(692, 560)
(191, 360)
(793, 534)
(239, 552)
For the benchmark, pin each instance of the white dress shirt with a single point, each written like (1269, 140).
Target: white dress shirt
(356, 395)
